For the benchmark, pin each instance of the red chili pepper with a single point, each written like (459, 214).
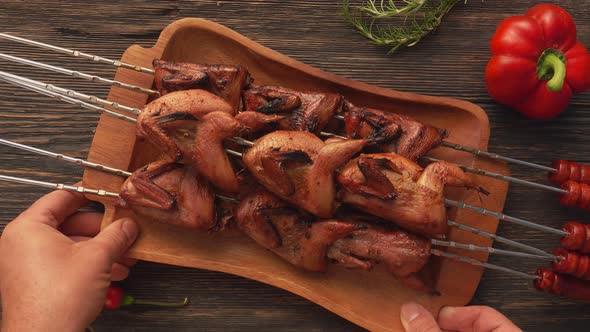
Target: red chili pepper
(116, 298)
(537, 62)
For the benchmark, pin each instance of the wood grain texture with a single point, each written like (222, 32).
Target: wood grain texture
(450, 63)
(364, 298)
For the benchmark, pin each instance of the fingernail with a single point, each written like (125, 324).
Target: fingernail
(129, 227)
(446, 312)
(409, 312)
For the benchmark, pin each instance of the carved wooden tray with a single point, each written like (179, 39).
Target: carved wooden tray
(370, 299)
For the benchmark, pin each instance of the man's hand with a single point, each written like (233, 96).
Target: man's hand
(416, 318)
(54, 271)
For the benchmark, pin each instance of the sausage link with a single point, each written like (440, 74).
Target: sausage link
(572, 263)
(578, 237)
(577, 196)
(575, 171)
(569, 170)
(585, 174)
(584, 199)
(562, 172)
(573, 194)
(567, 286)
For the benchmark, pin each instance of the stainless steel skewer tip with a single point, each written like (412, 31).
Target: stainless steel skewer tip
(78, 54)
(58, 186)
(79, 74)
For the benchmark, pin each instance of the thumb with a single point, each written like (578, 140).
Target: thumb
(116, 238)
(477, 318)
(415, 318)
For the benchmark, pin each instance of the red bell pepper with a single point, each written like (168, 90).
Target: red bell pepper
(537, 62)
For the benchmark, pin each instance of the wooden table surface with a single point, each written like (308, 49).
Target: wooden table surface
(449, 63)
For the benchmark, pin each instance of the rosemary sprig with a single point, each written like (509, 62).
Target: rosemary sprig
(419, 18)
(390, 9)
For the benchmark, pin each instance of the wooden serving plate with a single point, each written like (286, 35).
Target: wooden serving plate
(370, 299)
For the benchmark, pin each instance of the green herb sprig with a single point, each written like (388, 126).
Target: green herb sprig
(418, 19)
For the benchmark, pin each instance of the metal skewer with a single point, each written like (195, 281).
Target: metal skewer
(228, 199)
(123, 173)
(68, 159)
(85, 163)
(505, 217)
(100, 192)
(95, 100)
(240, 141)
(61, 186)
(92, 99)
(500, 239)
(63, 94)
(479, 152)
(323, 133)
(234, 153)
(503, 177)
(53, 91)
(482, 172)
(340, 117)
(538, 254)
(56, 92)
(436, 252)
(495, 156)
(77, 53)
(24, 81)
(115, 195)
(44, 91)
(82, 75)
(483, 264)
(490, 250)
(502, 216)
(69, 93)
(66, 99)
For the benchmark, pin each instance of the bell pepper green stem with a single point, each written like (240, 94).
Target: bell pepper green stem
(551, 67)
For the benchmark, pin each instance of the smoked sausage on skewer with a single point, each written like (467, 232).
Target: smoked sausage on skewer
(554, 283)
(572, 263)
(569, 171)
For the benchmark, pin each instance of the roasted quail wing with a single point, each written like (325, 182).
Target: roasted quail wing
(165, 115)
(275, 225)
(190, 127)
(395, 133)
(299, 167)
(396, 189)
(170, 193)
(207, 152)
(225, 81)
(311, 244)
(309, 111)
(256, 123)
(402, 253)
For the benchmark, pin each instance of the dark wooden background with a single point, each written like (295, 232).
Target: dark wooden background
(449, 63)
